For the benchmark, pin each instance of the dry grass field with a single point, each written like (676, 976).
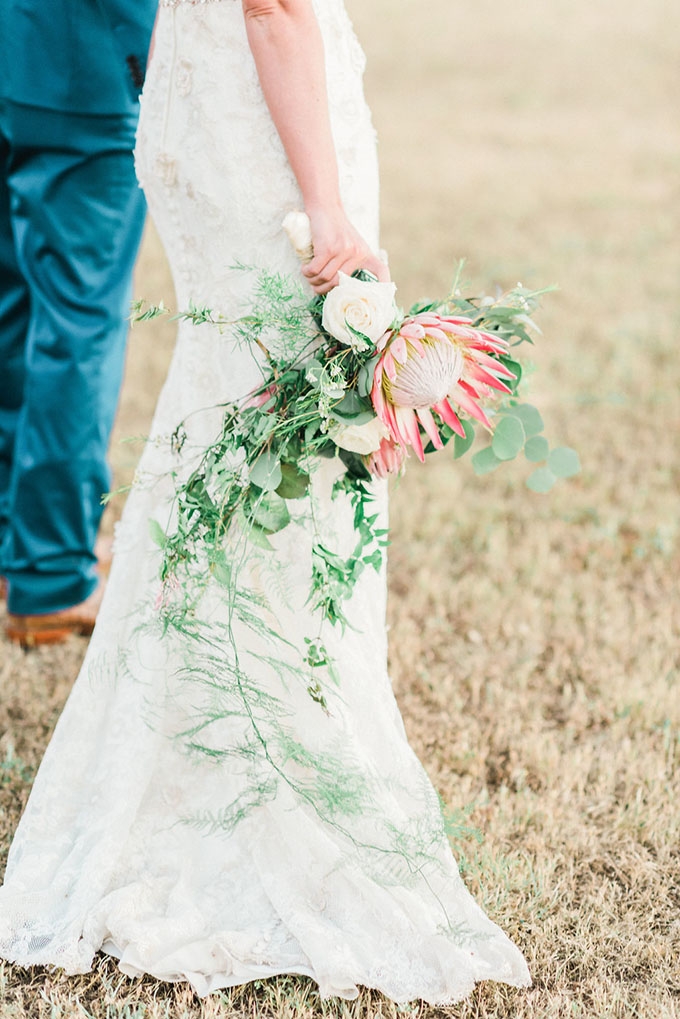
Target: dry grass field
(535, 640)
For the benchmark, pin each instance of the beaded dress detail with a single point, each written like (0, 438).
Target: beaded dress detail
(124, 845)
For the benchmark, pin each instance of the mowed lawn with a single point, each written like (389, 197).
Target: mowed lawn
(535, 640)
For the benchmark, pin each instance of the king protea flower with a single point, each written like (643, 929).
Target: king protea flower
(435, 363)
(387, 459)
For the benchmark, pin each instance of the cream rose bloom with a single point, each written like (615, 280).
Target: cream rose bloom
(366, 306)
(362, 439)
(299, 231)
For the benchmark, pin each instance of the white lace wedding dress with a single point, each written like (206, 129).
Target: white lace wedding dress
(319, 849)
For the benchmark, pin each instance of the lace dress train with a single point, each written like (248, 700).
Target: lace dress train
(319, 847)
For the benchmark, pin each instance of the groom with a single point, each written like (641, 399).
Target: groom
(71, 216)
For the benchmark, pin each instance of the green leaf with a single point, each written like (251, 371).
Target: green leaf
(532, 421)
(158, 535)
(358, 419)
(508, 438)
(269, 512)
(294, 482)
(356, 468)
(313, 372)
(445, 434)
(365, 377)
(351, 406)
(266, 472)
(541, 480)
(258, 537)
(537, 448)
(485, 461)
(421, 306)
(460, 444)
(516, 368)
(564, 462)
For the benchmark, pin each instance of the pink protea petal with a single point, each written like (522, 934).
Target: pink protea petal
(384, 339)
(449, 327)
(387, 459)
(457, 319)
(428, 423)
(482, 375)
(390, 420)
(494, 365)
(378, 400)
(435, 333)
(427, 318)
(418, 346)
(488, 342)
(470, 407)
(412, 331)
(449, 417)
(259, 399)
(398, 348)
(408, 425)
(470, 389)
(389, 365)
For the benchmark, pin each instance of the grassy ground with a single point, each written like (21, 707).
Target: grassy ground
(535, 640)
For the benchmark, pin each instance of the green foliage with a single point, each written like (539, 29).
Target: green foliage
(294, 482)
(266, 472)
(541, 480)
(462, 445)
(532, 422)
(249, 484)
(508, 438)
(564, 462)
(485, 460)
(536, 448)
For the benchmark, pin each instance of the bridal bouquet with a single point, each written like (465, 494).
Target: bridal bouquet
(350, 375)
(352, 378)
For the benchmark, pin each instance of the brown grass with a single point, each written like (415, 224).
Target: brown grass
(535, 640)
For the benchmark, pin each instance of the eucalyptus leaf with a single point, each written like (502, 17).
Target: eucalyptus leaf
(269, 512)
(564, 462)
(460, 444)
(266, 472)
(259, 537)
(358, 419)
(541, 480)
(313, 370)
(531, 419)
(351, 406)
(485, 461)
(516, 368)
(294, 482)
(508, 438)
(365, 377)
(537, 448)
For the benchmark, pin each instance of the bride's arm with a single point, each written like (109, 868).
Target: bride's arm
(288, 50)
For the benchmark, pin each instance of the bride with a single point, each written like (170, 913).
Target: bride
(288, 838)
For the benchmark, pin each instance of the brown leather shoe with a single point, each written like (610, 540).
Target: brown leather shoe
(54, 627)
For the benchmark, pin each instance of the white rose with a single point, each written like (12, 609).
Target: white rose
(362, 439)
(299, 230)
(366, 306)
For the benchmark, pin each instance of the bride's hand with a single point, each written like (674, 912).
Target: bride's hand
(338, 247)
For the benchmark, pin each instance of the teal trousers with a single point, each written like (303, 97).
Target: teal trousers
(71, 217)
